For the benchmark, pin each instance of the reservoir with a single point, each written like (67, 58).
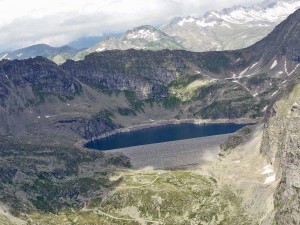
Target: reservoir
(160, 134)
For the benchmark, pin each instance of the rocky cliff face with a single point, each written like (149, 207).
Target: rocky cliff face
(42, 74)
(281, 145)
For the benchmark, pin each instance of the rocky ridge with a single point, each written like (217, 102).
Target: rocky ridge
(228, 84)
(216, 29)
(56, 54)
(144, 37)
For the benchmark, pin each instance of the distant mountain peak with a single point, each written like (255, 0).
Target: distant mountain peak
(230, 28)
(267, 11)
(143, 32)
(39, 50)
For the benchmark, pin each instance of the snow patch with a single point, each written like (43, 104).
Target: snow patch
(144, 34)
(273, 94)
(3, 57)
(244, 71)
(265, 108)
(203, 23)
(270, 179)
(225, 25)
(274, 64)
(186, 20)
(46, 116)
(294, 70)
(267, 169)
(285, 68)
(253, 65)
(100, 49)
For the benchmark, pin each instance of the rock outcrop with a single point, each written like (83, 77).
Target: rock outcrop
(281, 144)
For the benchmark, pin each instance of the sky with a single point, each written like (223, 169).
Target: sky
(57, 22)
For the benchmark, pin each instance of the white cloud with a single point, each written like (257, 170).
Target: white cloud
(57, 22)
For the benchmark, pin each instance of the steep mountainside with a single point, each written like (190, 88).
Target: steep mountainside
(281, 146)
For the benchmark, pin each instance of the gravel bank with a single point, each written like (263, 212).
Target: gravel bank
(175, 153)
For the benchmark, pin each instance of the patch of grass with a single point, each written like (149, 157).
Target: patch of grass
(133, 100)
(126, 111)
(171, 102)
(215, 62)
(183, 81)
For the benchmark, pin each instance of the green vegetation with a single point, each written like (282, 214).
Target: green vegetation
(133, 100)
(126, 112)
(40, 96)
(215, 62)
(159, 197)
(52, 178)
(171, 102)
(184, 81)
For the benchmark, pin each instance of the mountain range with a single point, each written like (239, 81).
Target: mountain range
(45, 108)
(228, 29)
(216, 30)
(225, 84)
(57, 54)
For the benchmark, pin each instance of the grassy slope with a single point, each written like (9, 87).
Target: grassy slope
(159, 197)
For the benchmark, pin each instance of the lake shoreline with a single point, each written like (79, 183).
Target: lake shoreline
(83, 142)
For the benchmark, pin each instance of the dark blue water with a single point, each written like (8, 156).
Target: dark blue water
(161, 134)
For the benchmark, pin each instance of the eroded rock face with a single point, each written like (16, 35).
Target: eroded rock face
(43, 75)
(282, 146)
(96, 125)
(143, 72)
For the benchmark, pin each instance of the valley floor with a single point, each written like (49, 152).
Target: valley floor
(236, 189)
